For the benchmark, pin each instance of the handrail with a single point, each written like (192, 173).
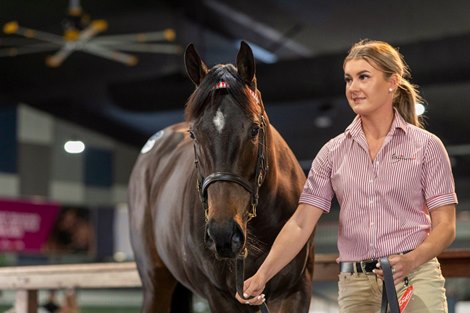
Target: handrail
(27, 280)
(70, 276)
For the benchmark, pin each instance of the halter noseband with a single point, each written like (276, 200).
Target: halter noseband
(260, 173)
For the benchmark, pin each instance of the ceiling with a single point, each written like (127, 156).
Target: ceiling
(299, 46)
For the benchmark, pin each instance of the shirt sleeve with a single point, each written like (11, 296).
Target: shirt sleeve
(437, 180)
(317, 190)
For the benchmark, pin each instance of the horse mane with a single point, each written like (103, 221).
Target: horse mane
(236, 88)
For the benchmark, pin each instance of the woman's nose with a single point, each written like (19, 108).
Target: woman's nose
(352, 86)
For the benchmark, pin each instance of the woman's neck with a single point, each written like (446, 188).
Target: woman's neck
(377, 126)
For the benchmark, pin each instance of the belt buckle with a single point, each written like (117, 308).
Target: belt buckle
(365, 266)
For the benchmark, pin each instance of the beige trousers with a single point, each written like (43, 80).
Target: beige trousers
(359, 292)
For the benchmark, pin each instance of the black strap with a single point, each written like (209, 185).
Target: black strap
(240, 279)
(389, 294)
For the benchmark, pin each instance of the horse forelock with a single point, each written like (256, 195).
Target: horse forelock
(203, 95)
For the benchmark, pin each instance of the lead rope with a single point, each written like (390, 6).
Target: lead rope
(240, 279)
(389, 294)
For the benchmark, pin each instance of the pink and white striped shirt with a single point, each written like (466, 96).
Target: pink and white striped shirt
(384, 204)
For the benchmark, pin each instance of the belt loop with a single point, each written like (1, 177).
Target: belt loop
(354, 265)
(363, 267)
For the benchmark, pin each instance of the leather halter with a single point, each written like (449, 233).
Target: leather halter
(260, 172)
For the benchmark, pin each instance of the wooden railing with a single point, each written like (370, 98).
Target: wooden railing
(27, 280)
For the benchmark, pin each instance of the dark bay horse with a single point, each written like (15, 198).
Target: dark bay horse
(203, 191)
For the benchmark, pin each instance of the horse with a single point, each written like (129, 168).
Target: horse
(219, 185)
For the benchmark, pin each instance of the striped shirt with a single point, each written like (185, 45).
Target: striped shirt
(385, 203)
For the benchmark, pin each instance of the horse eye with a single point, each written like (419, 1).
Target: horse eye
(254, 131)
(191, 134)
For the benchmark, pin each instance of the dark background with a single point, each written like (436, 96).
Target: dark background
(299, 64)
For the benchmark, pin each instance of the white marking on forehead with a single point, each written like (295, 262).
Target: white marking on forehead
(219, 120)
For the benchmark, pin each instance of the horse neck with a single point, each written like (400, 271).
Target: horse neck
(284, 179)
(281, 159)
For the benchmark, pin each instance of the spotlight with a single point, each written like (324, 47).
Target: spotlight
(74, 146)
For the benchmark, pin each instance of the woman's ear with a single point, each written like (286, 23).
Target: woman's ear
(394, 81)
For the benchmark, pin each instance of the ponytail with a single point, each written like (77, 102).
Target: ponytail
(405, 99)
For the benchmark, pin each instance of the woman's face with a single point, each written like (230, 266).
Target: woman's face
(367, 90)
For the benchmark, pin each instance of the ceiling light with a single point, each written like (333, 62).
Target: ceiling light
(74, 146)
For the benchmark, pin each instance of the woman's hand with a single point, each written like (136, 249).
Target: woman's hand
(402, 266)
(252, 291)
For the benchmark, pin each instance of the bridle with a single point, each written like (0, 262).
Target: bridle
(260, 171)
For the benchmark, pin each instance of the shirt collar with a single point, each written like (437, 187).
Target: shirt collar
(355, 128)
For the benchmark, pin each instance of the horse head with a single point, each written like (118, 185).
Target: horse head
(229, 129)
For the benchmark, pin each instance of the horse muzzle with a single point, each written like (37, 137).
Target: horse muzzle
(226, 239)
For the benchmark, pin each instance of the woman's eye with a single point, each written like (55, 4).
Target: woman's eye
(347, 80)
(362, 77)
(254, 131)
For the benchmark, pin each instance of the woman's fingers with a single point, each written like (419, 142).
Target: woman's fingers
(252, 292)
(258, 300)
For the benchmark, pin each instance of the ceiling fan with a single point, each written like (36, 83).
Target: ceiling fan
(80, 34)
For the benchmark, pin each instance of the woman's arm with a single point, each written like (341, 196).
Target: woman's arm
(290, 240)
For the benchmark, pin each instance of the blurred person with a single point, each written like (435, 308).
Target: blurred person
(72, 233)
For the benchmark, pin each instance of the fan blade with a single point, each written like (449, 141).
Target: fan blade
(16, 41)
(27, 49)
(167, 34)
(59, 57)
(125, 58)
(14, 28)
(96, 27)
(141, 47)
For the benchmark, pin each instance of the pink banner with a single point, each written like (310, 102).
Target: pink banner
(25, 226)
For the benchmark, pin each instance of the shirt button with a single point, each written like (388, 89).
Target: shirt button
(371, 201)
(371, 181)
(371, 223)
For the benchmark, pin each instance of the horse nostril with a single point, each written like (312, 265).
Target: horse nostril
(226, 238)
(208, 238)
(238, 239)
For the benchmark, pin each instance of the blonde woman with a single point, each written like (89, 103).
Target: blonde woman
(395, 188)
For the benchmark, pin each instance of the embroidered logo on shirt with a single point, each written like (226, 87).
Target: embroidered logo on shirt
(400, 157)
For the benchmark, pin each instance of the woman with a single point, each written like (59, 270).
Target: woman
(394, 184)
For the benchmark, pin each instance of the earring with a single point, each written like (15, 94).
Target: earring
(390, 90)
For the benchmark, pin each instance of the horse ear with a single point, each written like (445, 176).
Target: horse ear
(195, 67)
(246, 63)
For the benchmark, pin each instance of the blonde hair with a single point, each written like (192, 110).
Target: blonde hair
(391, 62)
